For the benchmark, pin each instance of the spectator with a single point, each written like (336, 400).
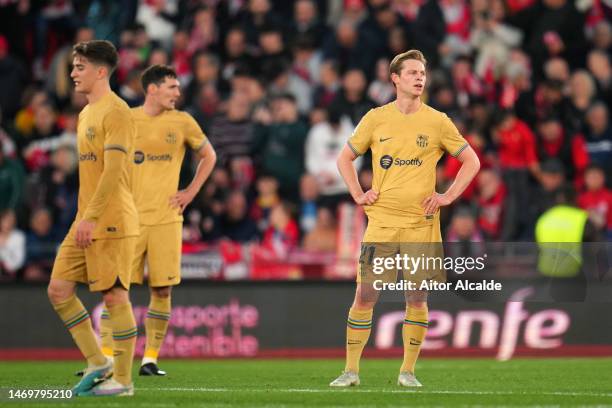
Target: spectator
(158, 18)
(267, 197)
(552, 180)
(236, 224)
(205, 32)
(306, 60)
(599, 136)
(552, 28)
(236, 55)
(491, 199)
(11, 182)
(582, 93)
(282, 235)
(518, 158)
(309, 193)
(131, 90)
(555, 142)
(42, 243)
(349, 48)
(599, 65)
(602, 37)
(597, 199)
(12, 244)
(35, 147)
(491, 38)
(557, 69)
(324, 143)
(282, 81)
(323, 237)
(307, 22)
(352, 100)
(205, 70)
(381, 91)
(280, 146)
(329, 84)
(258, 14)
(12, 80)
(430, 20)
(464, 231)
(232, 132)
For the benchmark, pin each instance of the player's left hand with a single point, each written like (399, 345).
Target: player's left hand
(182, 199)
(84, 232)
(432, 203)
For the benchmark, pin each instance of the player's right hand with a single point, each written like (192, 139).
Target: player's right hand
(367, 198)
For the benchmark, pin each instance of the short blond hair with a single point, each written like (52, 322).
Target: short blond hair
(395, 67)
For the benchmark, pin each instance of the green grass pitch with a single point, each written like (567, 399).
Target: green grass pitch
(303, 383)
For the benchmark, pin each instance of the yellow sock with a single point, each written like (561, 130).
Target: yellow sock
(358, 327)
(77, 321)
(156, 325)
(124, 341)
(413, 334)
(106, 333)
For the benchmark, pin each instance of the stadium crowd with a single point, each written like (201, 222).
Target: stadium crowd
(278, 87)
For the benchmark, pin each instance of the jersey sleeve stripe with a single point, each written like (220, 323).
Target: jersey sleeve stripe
(458, 152)
(198, 148)
(115, 147)
(353, 149)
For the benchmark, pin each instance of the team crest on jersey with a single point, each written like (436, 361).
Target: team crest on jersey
(171, 138)
(90, 133)
(422, 141)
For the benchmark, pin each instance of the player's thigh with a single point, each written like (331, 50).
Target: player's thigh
(109, 261)
(140, 252)
(423, 246)
(378, 250)
(70, 264)
(164, 254)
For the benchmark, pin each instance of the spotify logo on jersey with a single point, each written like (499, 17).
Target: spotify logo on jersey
(138, 157)
(386, 161)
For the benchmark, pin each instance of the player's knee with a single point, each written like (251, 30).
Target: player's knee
(417, 304)
(115, 296)
(162, 292)
(58, 293)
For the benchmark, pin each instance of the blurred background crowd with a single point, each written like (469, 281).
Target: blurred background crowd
(278, 87)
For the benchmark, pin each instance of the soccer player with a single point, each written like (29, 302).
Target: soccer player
(99, 246)
(407, 138)
(163, 133)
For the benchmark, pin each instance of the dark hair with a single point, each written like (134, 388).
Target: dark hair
(101, 52)
(156, 74)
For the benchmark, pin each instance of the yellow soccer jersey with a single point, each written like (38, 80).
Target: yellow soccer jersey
(106, 125)
(405, 151)
(159, 152)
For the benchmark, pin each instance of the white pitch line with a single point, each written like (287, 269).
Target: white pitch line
(415, 391)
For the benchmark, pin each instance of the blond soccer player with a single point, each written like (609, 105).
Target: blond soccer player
(99, 247)
(407, 138)
(163, 134)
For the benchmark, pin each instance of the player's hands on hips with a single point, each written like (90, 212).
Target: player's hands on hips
(367, 198)
(182, 199)
(432, 203)
(84, 233)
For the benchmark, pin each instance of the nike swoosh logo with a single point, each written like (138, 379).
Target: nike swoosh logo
(414, 342)
(384, 140)
(354, 342)
(171, 277)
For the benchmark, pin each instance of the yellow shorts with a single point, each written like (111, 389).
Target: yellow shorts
(161, 246)
(416, 251)
(99, 265)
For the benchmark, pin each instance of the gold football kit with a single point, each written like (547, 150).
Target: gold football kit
(160, 147)
(105, 137)
(405, 151)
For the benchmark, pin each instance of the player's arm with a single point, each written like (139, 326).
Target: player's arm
(208, 158)
(358, 144)
(470, 164)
